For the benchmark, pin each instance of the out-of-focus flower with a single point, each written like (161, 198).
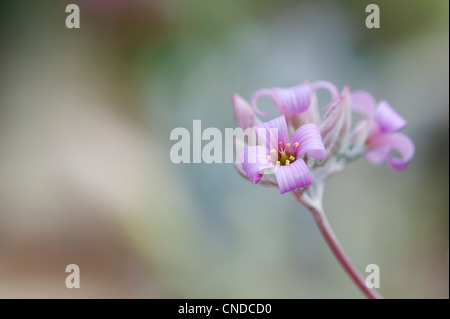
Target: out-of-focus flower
(379, 129)
(293, 100)
(283, 155)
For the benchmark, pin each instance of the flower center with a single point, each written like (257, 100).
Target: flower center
(284, 156)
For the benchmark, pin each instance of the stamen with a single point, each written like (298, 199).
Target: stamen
(280, 142)
(292, 158)
(278, 163)
(288, 144)
(287, 163)
(296, 144)
(269, 157)
(273, 150)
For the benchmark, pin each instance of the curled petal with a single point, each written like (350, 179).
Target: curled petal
(292, 100)
(309, 141)
(311, 115)
(243, 112)
(269, 93)
(328, 86)
(387, 119)
(295, 99)
(364, 103)
(272, 132)
(383, 146)
(293, 176)
(254, 161)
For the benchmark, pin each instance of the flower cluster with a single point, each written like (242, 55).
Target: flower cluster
(308, 147)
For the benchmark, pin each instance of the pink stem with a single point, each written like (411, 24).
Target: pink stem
(338, 251)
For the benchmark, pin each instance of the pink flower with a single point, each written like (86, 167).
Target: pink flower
(282, 155)
(382, 124)
(293, 100)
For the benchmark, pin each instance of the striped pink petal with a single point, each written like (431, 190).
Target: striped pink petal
(310, 141)
(272, 132)
(385, 144)
(387, 119)
(293, 176)
(254, 162)
(292, 100)
(295, 99)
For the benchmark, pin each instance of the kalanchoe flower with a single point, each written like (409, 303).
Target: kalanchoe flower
(293, 100)
(283, 155)
(381, 125)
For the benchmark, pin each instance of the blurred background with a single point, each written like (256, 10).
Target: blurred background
(85, 173)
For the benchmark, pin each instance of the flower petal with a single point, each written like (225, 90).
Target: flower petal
(385, 144)
(328, 86)
(272, 93)
(364, 103)
(272, 132)
(295, 99)
(377, 155)
(254, 162)
(310, 141)
(387, 119)
(293, 176)
(290, 100)
(243, 112)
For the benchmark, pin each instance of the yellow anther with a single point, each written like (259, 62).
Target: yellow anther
(292, 158)
(268, 157)
(273, 150)
(288, 144)
(287, 162)
(296, 144)
(278, 163)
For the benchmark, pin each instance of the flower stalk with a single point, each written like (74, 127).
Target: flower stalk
(315, 207)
